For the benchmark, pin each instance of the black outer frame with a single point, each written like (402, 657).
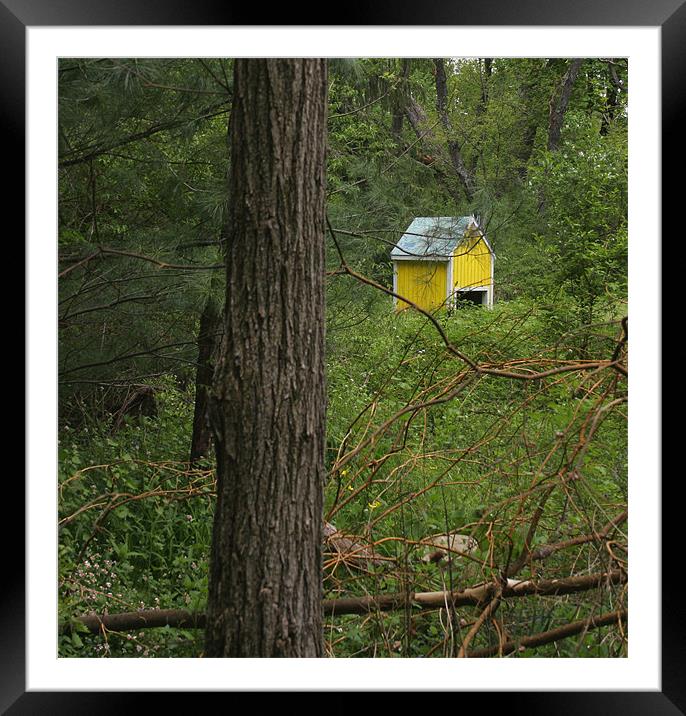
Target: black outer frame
(670, 15)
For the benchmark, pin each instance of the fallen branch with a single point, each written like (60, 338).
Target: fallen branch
(547, 637)
(144, 619)
(472, 596)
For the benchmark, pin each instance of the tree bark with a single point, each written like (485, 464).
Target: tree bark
(398, 113)
(531, 117)
(559, 102)
(210, 325)
(268, 403)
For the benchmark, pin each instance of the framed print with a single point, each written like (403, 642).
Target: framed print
(646, 674)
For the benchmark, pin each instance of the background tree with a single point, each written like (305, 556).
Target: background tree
(142, 170)
(269, 397)
(209, 340)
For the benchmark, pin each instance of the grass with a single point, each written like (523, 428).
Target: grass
(135, 520)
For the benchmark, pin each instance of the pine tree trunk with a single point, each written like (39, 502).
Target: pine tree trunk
(210, 324)
(268, 405)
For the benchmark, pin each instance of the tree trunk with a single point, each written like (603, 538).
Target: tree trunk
(210, 325)
(268, 403)
(559, 102)
(485, 79)
(614, 87)
(530, 118)
(556, 114)
(454, 150)
(398, 113)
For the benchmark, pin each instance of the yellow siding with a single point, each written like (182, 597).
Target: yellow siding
(471, 264)
(423, 282)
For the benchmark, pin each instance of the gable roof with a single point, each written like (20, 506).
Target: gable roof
(431, 237)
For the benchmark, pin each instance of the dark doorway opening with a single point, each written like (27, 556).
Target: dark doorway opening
(467, 298)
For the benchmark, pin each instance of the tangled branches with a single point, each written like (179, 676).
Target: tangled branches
(476, 503)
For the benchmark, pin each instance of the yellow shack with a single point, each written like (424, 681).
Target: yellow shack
(441, 260)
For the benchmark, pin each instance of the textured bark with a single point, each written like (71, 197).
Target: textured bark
(210, 325)
(559, 103)
(268, 402)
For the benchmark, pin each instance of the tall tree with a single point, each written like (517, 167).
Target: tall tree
(559, 102)
(208, 340)
(614, 88)
(268, 403)
(454, 149)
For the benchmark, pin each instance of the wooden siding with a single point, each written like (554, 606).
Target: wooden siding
(423, 282)
(472, 264)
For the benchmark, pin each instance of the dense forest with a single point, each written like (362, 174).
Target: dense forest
(469, 495)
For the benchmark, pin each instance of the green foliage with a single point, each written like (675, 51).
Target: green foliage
(585, 192)
(392, 360)
(135, 525)
(154, 551)
(143, 164)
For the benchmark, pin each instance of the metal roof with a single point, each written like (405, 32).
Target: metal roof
(431, 237)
